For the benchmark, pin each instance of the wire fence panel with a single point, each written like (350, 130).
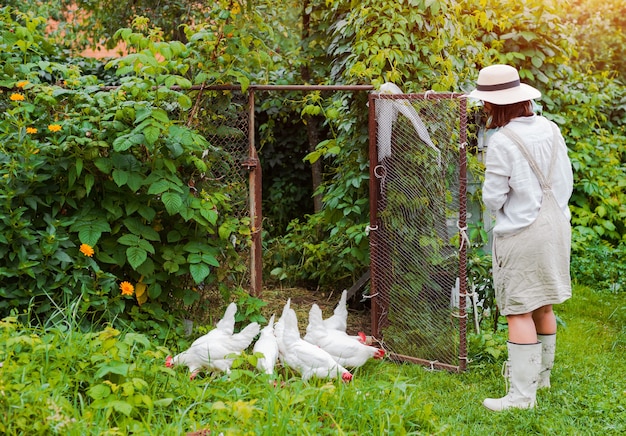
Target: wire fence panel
(417, 227)
(226, 126)
(223, 119)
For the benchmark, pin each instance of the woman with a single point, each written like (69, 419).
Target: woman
(528, 183)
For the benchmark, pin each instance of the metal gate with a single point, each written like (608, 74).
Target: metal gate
(417, 226)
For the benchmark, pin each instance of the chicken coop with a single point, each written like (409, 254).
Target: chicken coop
(417, 226)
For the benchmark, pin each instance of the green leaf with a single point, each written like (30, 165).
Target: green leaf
(125, 142)
(122, 407)
(160, 116)
(113, 367)
(224, 231)
(132, 240)
(147, 212)
(62, 256)
(210, 259)
(135, 181)
(199, 272)
(89, 235)
(136, 256)
(159, 187)
(210, 215)
(136, 227)
(146, 246)
(154, 291)
(99, 391)
(194, 258)
(190, 297)
(89, 182)
(136, 338)
(171, 267)
(79, 166)
(104, 164)
(184, 101)
(142, 113)
(120, 177)
(151, 134)
(173, 202)
(176, 149)
(163, 402)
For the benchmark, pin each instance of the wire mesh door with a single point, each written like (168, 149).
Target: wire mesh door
(417, 227)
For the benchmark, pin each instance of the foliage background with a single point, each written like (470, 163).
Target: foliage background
(83, 164)
(116, 176)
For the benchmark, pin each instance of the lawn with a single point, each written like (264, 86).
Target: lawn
(61, 381)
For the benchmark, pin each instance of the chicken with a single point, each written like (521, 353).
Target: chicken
(267, 345)
(304, 357)
(345, 350)
(217, 349)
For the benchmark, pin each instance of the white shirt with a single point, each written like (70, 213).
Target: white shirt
(511, 188)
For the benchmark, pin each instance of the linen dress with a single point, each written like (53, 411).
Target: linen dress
(531, 261)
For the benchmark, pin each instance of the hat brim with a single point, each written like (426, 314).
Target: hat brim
(522, 92)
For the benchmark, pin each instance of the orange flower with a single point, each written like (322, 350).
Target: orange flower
(31, 130)
(86, 250)
(21, 83)
(16, 96)
(54, 127)
(127, 288)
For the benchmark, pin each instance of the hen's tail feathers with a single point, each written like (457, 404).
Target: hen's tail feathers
(316, 324)
(245, 337)
(290, 332)
(341, 307)
(270, 326)
(227, 323)
(287, 307)
(339, 319)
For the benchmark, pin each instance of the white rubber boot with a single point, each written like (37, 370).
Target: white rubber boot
(548, 348)
(523, 365)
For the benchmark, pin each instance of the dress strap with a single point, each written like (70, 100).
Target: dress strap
(544, 181)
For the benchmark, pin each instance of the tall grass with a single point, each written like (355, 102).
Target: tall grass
(59, 380)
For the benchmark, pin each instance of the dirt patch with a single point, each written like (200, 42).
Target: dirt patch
(302, 299)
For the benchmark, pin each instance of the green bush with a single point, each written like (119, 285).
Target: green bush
(600, 267)
(106, 186)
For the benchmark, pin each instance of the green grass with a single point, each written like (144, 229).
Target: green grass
(60, 381)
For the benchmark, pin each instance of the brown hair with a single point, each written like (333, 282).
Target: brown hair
(500, 115)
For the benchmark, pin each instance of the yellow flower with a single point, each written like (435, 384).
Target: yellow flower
(54, 127)
(31, 130)
(127, 288)
(21, 83)
(16, 96)
(86, 250)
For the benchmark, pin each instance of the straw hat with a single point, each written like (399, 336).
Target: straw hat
(500, 84)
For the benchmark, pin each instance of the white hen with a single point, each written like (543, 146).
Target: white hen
(304, 357)
(267, 345)
(216, 350)
(345, 350)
